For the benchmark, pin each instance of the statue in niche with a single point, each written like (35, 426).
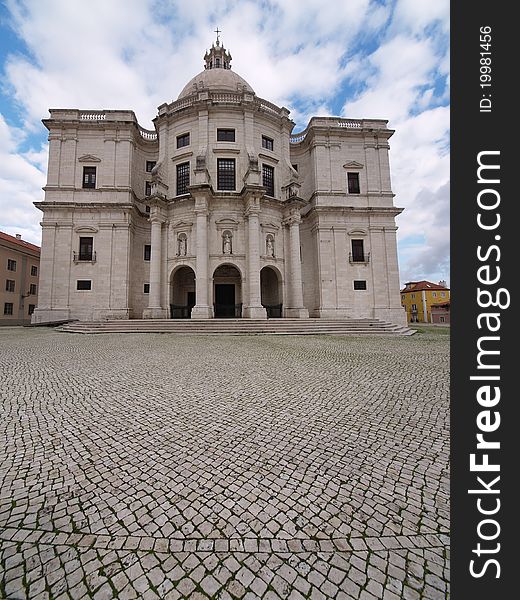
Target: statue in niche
(269, 245)
(226, 243)
(182, 245)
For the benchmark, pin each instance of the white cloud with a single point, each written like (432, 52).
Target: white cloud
(21, 180)
(403, 73)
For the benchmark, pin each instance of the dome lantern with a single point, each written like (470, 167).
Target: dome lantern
(217, 57)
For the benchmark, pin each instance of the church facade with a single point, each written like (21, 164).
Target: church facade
(220, 211)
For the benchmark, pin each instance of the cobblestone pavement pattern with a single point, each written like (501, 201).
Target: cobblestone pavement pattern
(157, 466)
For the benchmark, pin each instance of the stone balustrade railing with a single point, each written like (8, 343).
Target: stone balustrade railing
(92, 116)
(147, 134)
(336, 122)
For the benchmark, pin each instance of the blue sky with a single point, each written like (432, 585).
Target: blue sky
(355, 58)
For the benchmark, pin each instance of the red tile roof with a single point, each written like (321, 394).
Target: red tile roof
(419, 286)
(16, 241)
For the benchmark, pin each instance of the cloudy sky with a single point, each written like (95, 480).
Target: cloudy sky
(353, 58)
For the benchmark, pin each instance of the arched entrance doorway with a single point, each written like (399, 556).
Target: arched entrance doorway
(182, 293)
(271, 292)
(227, 292)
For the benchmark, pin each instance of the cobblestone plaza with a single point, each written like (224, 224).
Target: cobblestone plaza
(164, 466)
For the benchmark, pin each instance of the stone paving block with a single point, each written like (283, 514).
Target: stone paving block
(288, 483)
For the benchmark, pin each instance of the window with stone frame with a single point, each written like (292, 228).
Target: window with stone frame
(83, 284)
(31, 309)
(86, 248)
(150, 164)
(267, 143)
(360, 284)
(353, 183)
(11, 264)
(33, 289)
(89, 177)
(147, 252)
(226, 174)
(268, 179)
(225, 135)
(34, 271)
(147, 188)
(183, 140)
(8, 308)
(146, 288)
(358, 251)
(10, 285)
(183, 178)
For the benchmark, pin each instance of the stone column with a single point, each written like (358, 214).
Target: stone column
(201, 310)
(155, 310)
(254, 308)
(295, 309)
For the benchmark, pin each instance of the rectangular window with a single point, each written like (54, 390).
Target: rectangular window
(146, 288)
(89, 177)
(268, 179)
(8, 308)
(441, 319)
(360, 285)
(226, 174)
(225, 135)
(183, 140)
(31, 309)
(267, 143)
(295, 167)
(9, 285)
(443, 294)
(150, 164)
(147, 188)
(183, 178)
(83, 284)
(34, 271)
(86, 245)
(147, 208)
(11, 264)
(33, 290)
(414, 306)
(353, 183)
(402, 296)
(434, 295)
(413, 295)
(147, 251)
(358, 252)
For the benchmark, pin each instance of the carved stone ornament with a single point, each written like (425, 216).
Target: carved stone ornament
(182, 244)
(269, 245)
(227, 242)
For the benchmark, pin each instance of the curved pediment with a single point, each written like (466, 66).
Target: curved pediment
(85, 229)
(358, 231)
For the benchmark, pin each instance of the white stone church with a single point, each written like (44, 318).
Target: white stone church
(220, 211)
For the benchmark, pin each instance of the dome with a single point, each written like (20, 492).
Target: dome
(217, 74)
(216, 79)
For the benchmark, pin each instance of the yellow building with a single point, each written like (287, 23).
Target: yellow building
(418, 296)
(19, 273)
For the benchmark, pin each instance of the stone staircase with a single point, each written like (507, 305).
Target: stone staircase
(240, 327)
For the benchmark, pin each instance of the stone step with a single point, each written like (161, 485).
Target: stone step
(240, 327)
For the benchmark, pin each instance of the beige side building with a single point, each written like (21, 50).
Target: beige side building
(19, 276)
(219, 211)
